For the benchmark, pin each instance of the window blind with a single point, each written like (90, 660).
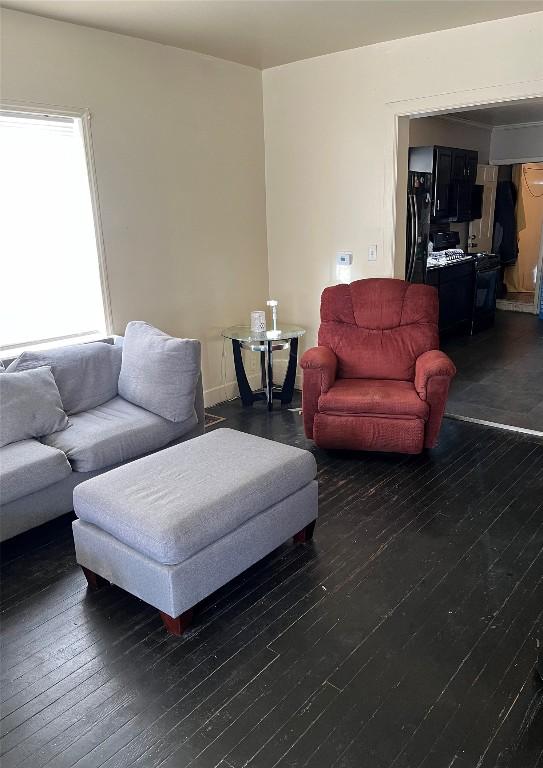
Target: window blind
(49, 268)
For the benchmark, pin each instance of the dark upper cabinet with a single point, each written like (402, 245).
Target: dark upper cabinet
(464, 166)
(458, 165)
(454, 171)
(443, 170)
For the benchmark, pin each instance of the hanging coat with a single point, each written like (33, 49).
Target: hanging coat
(504, 242)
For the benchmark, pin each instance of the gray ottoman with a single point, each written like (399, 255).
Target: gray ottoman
(173, 527)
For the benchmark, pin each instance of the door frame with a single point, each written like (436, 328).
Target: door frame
(398, 114)
(539, 278)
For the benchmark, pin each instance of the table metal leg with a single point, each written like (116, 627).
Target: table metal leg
(270, 376)
(245, 391)
(290, 377)
(263, 370)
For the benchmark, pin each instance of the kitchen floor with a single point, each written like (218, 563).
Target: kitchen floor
(500, 372)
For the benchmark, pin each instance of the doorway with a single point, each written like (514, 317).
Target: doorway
(522, 279)
(500, 365)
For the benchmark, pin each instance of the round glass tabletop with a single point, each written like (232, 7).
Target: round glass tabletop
(244, 334)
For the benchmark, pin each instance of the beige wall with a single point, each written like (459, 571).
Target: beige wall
(178, 144)
(329, 131)
(179, 148)
(425, 131)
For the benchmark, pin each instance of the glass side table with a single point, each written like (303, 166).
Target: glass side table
(266, 343)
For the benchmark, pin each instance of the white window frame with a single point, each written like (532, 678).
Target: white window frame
(84, 115)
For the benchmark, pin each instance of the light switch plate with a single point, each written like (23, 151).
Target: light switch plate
(372, 252)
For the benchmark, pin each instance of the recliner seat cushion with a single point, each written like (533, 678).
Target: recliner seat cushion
(172, 504)
(115, 432)
(27, 467)
(373, 396)
(86, 375)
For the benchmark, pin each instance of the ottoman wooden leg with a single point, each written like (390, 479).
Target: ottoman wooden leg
(306, 534)
(177, 625)
(93, 579)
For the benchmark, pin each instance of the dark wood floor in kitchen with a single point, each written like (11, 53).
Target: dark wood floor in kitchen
(404, 635)
(500, 372)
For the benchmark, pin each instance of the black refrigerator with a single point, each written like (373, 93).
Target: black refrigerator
(419, 207)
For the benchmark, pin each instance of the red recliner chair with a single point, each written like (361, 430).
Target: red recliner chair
(377, 381)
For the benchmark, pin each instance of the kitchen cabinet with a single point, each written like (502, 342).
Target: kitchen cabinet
(464, 172)
(481, 230)
(453, 175)
(443, 159)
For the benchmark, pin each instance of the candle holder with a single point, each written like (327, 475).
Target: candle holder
(273, 303)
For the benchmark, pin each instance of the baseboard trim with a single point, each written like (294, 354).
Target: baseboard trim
(227, 391)
(516, 306)
(496, 425)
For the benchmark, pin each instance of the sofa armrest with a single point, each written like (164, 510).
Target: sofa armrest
(199, 405)
(319, 365)
(430, 364)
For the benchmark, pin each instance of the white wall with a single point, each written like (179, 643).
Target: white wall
(516, 144)
(329, 130)
(178, 144)
(447, 132)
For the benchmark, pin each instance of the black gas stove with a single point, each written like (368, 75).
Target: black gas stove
(487, 278)
(466, 283)
(486, 261)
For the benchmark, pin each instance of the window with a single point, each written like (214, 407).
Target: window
(50, 277)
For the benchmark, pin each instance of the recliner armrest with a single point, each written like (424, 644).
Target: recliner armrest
(323, 360)
(430, 364)
(319, 365)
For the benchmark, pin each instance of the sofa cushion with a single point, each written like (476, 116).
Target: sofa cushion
(373, 396)
(159, 372)
(29, 466)
(31, 405)
(113, 433)
(86, 374)
(173, 504)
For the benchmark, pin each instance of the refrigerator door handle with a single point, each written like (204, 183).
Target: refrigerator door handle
(409, 248)
(414, 236)
(416, 220)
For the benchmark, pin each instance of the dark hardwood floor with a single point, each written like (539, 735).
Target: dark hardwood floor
(403, 635)
(500, 372)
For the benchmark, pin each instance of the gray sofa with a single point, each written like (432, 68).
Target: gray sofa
(37, 476)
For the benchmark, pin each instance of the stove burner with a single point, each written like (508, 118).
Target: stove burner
(447, 256)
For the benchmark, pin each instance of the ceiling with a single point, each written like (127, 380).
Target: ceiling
(266, 33)
(513, 113)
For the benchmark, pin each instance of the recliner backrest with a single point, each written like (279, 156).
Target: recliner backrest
(378, 327)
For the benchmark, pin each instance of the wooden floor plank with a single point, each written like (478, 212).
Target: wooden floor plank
(376, 641)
